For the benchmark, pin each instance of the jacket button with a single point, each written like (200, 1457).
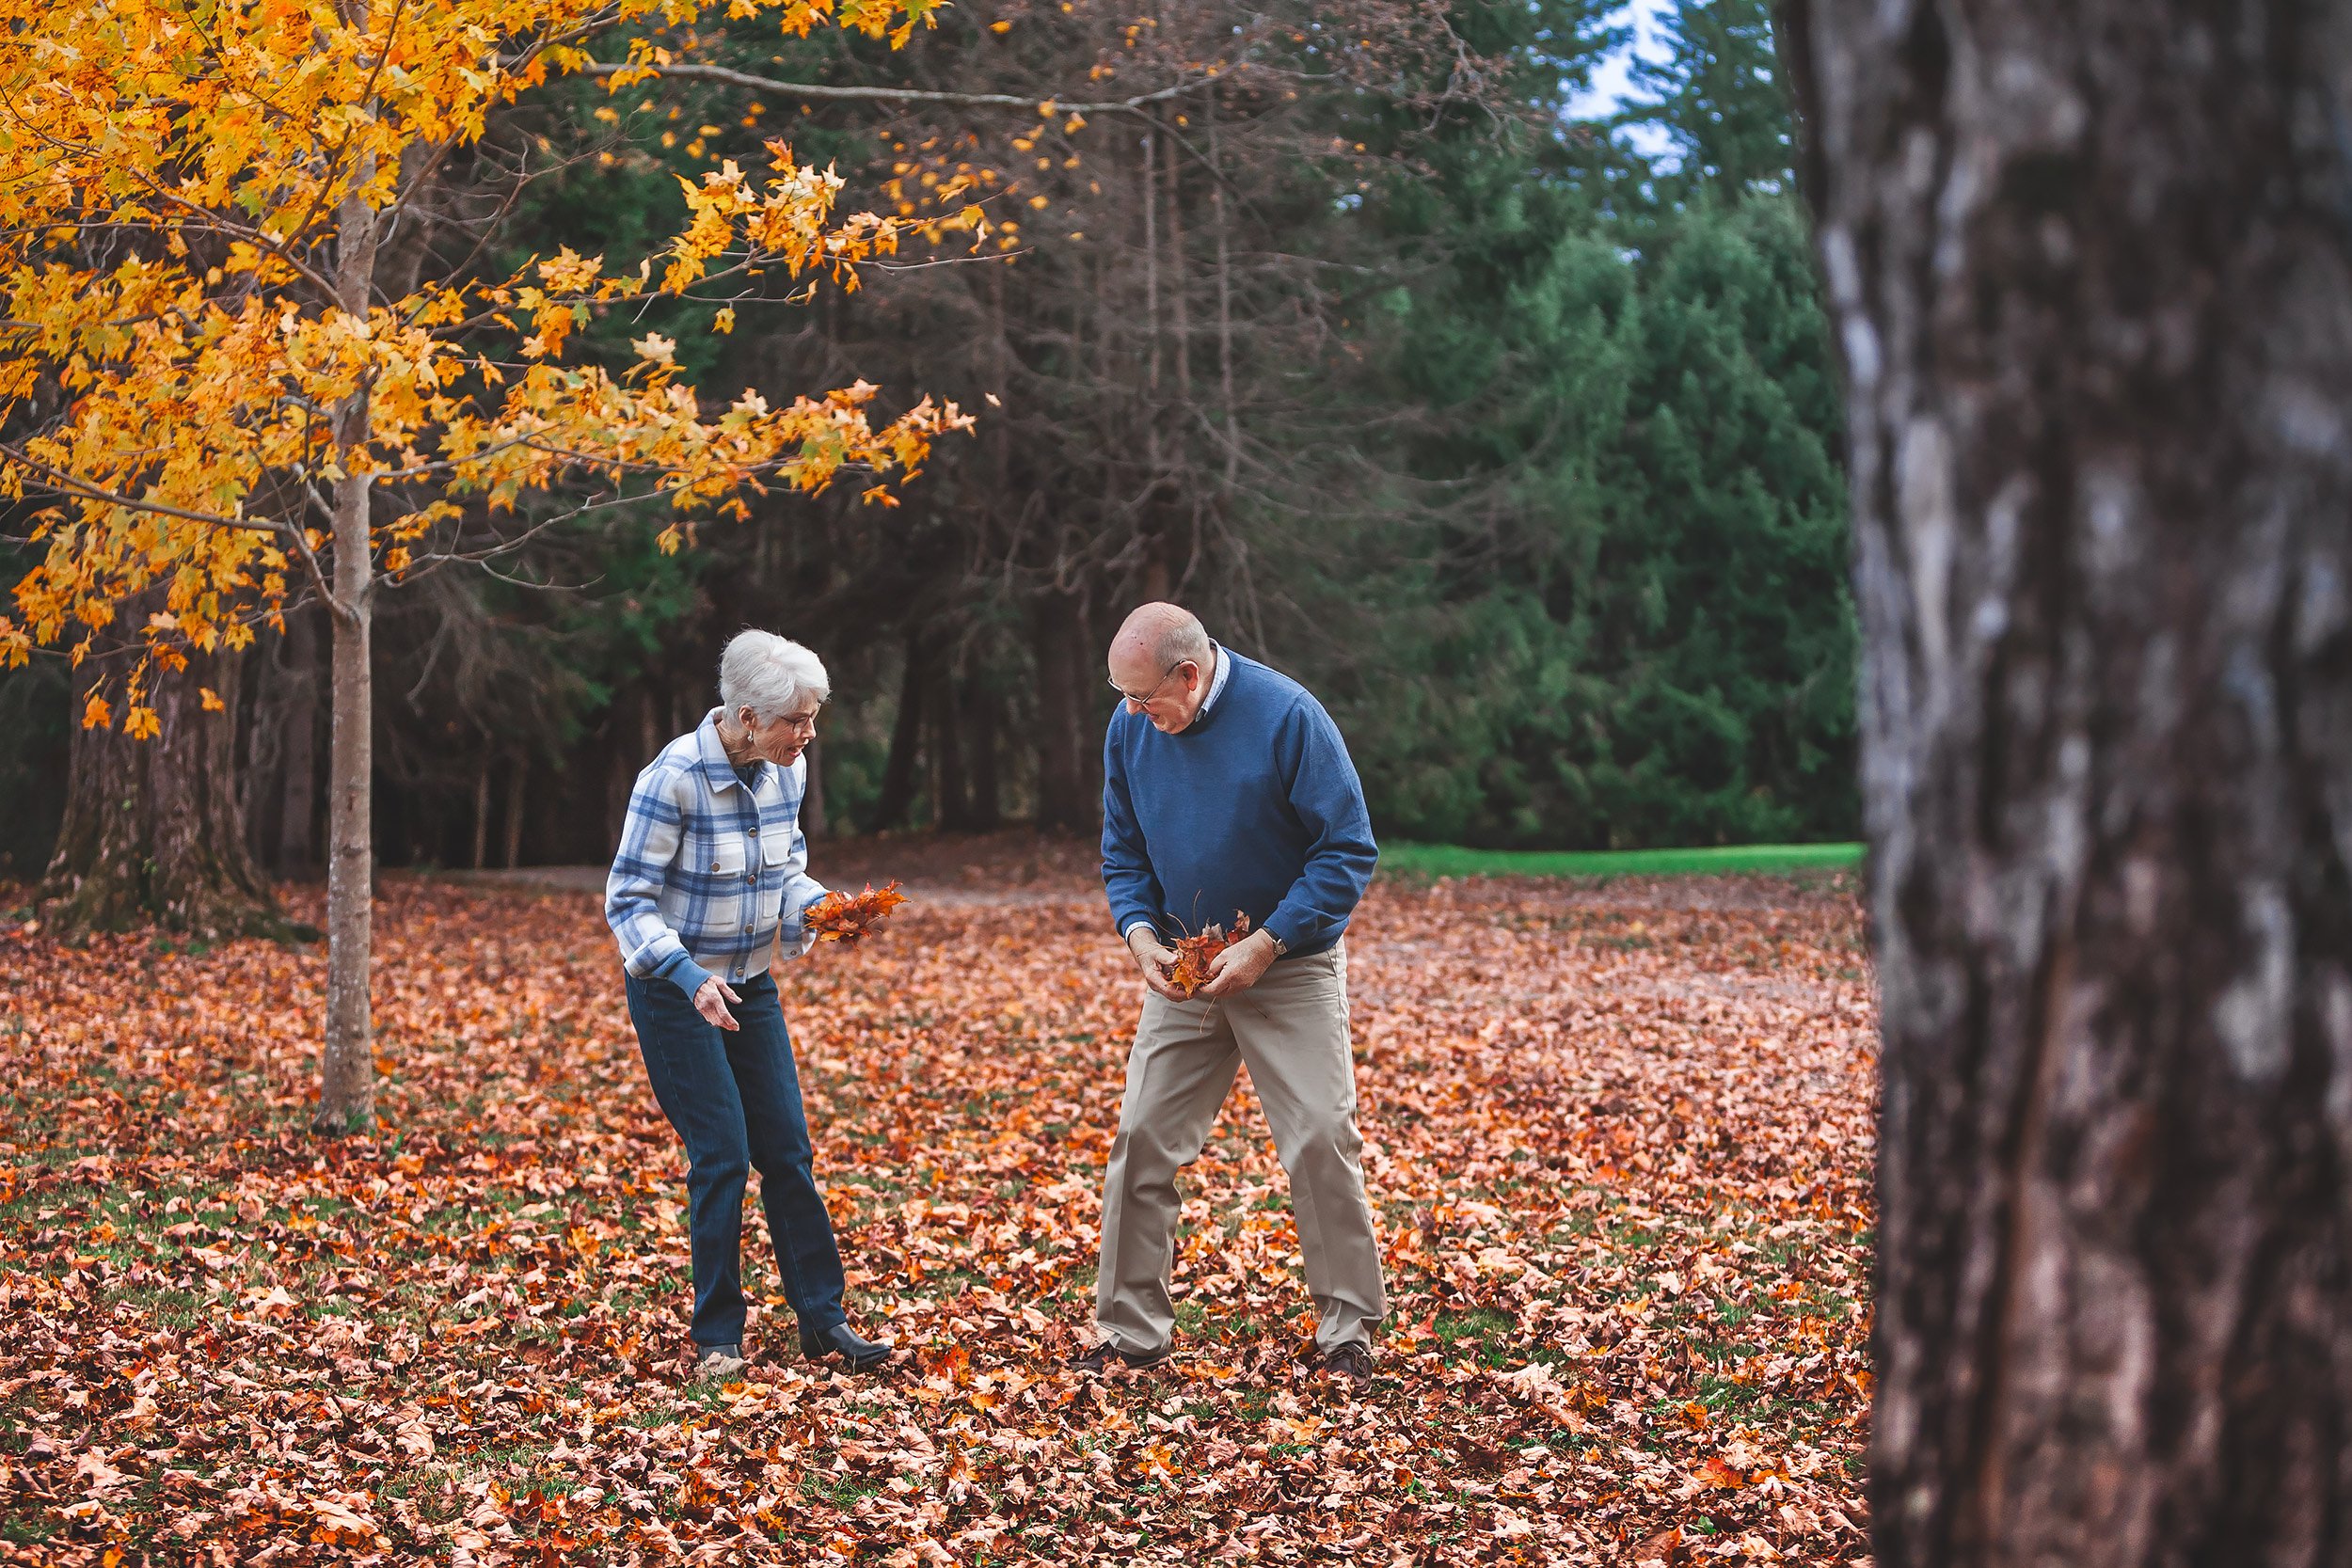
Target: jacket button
(714, 865)
(755, 833)
(747, 931)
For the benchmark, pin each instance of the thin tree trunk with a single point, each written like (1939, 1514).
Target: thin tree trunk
(987, 811)
(517, 797)
(347, 1095)
(481, 815)
(1176, 280)
(298, 805)
(813, 797)
(951, 784)
(1060, 787)
(906, 734)
(1224, 308)
(152, 830)
(2088, 265)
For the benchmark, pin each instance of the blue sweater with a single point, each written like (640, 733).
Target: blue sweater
(1251, 808)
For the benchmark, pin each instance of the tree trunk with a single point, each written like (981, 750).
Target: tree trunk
(298, 805)
(481, 815)
(1061, 803)
(152, 829)
(812, 793)
(988, 812)
(518, 792)
(951, 797)
(2087, 265)
(906, 734)
(347, 1066)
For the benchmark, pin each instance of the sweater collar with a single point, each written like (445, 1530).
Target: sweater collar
(1224, 658)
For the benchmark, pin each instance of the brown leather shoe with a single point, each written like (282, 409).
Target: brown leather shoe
(1351, 1361)
(1099, 1359)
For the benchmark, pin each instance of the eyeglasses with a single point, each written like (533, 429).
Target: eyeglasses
(1148, 697)
(792, 723)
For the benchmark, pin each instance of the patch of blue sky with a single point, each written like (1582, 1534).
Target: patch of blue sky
(1612, 85)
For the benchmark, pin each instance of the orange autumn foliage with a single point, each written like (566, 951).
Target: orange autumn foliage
(846, 917)
(1196, 953)
(1620, 1139)
(191, 206)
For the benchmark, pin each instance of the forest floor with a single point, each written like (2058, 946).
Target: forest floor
(1618, 1137)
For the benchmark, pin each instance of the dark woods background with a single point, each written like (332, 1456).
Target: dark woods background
(1520, 448)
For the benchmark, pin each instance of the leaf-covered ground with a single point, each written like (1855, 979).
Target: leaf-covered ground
(1617, 1137)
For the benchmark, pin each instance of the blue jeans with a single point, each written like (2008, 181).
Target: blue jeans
(735, 1099)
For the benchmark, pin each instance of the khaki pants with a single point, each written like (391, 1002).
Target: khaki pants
(1291, 1028)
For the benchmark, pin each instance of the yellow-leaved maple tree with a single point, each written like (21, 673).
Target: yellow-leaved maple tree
(225, 387)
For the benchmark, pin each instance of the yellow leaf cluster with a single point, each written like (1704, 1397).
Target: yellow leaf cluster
(182, 385)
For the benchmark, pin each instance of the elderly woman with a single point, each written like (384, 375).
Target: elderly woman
(711, 876)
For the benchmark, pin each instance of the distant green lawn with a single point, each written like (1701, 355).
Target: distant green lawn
(1449, 860)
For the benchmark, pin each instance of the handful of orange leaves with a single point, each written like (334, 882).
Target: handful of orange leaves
(847, 917)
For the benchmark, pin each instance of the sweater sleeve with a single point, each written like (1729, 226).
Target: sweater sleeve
(1128, 876)
(1329, 801)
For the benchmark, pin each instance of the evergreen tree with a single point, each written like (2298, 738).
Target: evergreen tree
(1720, 99)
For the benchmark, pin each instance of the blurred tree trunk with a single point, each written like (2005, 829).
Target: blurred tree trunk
(951, 797)
(2089, 267)
(812, 793)
(298, 804)
(987, 810)
(1061, 803)
(906, 737)
(152, 831)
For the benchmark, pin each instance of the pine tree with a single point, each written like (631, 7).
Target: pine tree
(1720, 99)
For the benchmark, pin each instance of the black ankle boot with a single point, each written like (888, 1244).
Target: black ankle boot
(861, 1354)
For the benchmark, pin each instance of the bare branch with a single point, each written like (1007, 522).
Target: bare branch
(816, 91)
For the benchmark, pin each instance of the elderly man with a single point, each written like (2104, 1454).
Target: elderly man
(1227, 790)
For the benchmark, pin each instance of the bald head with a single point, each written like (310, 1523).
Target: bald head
(1162, 660)
(1160, 634)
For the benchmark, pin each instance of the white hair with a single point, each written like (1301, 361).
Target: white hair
(770, 674)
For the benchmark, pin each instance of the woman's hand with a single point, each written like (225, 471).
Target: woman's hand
(712, 1000)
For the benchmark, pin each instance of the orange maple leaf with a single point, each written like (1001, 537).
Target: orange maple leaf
(1195, 953)
(848, 916)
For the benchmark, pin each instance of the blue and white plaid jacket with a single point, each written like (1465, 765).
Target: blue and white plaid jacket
(708, 869)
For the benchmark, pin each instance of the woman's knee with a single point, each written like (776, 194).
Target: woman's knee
(719, 1170)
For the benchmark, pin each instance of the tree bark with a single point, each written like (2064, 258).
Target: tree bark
(1061, 803)
(813, 822)
(298, 812)
(988, 812)
(2089, 267)
(153, 829)
(347, 1066)
(481, 816)
(906, 734)
(952, 799)
(518, 794)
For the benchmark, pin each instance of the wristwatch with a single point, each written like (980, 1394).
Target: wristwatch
(1280, 946)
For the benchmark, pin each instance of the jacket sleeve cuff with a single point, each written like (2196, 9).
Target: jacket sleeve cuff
(683, 972)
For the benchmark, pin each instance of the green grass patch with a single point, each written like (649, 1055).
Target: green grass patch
(1451, 860)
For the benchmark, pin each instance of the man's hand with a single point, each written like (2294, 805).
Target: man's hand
(711, 1002)
(1240, 966)
(1155, 959)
